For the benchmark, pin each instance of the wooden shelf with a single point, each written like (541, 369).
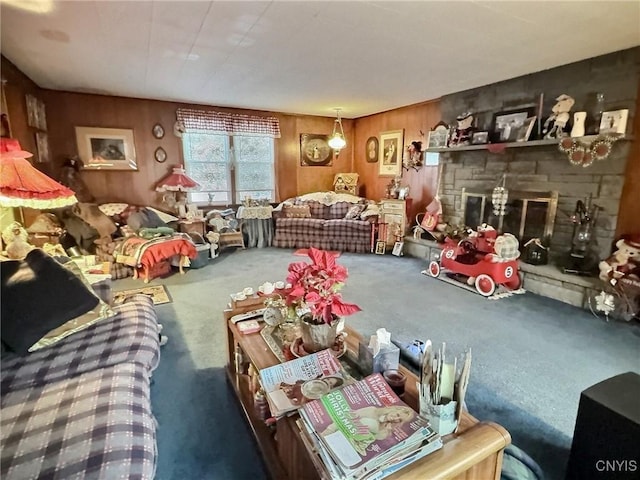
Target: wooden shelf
(530, 143)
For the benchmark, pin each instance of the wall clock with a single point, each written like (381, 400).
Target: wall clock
(315, 150)
(371, 149)
(160, 155)
(158, 131)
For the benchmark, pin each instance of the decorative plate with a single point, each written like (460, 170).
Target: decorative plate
(158, 131)
(371, 149)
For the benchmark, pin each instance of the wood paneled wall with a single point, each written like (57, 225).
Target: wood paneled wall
(416, 120)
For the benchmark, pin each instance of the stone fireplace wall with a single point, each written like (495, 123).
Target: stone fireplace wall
(545, 168)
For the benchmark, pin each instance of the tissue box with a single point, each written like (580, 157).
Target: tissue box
(387, 359)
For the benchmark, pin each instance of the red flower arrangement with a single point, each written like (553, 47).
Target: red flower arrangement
(315, 286)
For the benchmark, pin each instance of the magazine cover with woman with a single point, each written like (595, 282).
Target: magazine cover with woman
(365, 422)
(291, 384)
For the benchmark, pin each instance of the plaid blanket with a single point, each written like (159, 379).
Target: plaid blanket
(97, 425)
(129, 336)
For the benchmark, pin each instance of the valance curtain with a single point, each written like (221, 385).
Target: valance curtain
(228, 123)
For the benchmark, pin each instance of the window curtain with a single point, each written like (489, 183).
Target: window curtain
(228, 123)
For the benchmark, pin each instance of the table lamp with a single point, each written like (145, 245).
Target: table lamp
(176, 184)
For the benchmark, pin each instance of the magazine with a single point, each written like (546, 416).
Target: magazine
(289, 385)
(365, 424)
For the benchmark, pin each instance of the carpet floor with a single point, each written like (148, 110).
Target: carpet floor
(532, 356)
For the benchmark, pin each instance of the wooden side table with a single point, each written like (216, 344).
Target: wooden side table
(231, 239)
(192, 226)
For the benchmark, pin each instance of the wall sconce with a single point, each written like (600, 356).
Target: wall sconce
(337, 141)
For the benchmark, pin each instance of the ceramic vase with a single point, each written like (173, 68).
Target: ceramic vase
(578, 124)
(318, 337)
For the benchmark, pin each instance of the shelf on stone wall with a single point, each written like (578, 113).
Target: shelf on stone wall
(530, 143)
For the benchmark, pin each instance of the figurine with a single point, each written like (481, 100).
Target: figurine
(15, 237)
(464, 130)
(624, 262)
(554, 126)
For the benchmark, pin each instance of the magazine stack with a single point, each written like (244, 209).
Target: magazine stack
(363, 431)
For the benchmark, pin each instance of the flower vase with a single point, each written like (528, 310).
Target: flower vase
(316, 337)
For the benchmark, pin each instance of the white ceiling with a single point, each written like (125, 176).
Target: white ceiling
(303, 57)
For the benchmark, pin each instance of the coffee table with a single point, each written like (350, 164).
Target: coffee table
(474, 452)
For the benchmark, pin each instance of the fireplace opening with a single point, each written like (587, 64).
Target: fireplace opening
(527, 214)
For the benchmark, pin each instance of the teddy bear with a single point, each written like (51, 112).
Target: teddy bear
(554, 126)
(624, 262)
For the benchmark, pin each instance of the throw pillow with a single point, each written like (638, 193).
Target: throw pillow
(354, 212)
(296, 211)
(100, 312)
(38, 295)
(371, 210)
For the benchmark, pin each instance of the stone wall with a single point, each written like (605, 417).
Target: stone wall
(545, 168)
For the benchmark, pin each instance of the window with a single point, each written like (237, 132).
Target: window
(229, 168)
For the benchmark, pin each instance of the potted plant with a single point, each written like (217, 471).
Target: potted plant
(315, 298)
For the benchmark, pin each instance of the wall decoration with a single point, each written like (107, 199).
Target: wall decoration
(614, 122)
(371, 149)
(390, 153)
(480, 138)
(106, 148)
(42, 143)
(439, 136)
(505, 125)
(5, 123)
(524, 132)
(381, 247)
(160, 155)
(32, 110)
(315, 150)
(41, 115)
(158, 131)
(583, 154)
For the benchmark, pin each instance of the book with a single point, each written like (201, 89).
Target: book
(289, 385)
(365, 424)
(248, 326)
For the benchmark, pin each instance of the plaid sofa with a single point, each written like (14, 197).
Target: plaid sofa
(327, 228)
(81, 408)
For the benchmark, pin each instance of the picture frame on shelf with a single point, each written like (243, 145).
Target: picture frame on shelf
(315, 150)
(106, 148)
(397, 249)
(614, 122)
(390, 153)
(42, 143)
(371, 149)
(505, 125)
(439, 136)
(524, 132)
(480, 138)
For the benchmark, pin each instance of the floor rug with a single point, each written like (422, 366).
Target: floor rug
(158, 293)
(304, 252)
(501, 290)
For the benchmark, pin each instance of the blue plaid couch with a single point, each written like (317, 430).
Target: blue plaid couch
(327, 228)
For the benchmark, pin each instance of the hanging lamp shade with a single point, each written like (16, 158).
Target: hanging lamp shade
(177, 181)
(337, 141)
(23, 185)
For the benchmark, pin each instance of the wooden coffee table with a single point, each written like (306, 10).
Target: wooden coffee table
(474, 452)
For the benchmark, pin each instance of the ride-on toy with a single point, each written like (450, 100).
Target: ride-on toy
(485, 258)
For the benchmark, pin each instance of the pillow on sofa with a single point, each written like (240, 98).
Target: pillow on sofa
(100, 312)
(39, 295)
(354, 212)
(297, 211)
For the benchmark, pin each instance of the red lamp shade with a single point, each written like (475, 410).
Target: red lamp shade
(177, 181)
(22, 185)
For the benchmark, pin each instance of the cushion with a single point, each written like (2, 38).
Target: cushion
(100, 312)
(296, 211)
(39, 295)
(112, 209)
(165, 217)
(371, 210)
(354, 212)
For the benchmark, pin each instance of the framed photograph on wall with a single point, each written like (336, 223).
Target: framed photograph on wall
(391, 148)
(106, 148)
(41, 115)
(371, 149)
(42, 143)
(614, 122)
(32, 110)
(315, 150)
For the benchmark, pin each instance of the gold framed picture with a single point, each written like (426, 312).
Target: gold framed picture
(391, 147)
(381, 247)
(315, 150)
(106, 148)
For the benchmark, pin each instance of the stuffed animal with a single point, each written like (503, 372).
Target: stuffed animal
(624, 262)
(462, 134)
(15, 237)
(554, 126)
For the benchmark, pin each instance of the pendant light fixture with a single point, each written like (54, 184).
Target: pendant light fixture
(337, 141)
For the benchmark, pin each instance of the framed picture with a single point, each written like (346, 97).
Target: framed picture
(505, 125)
(41, 116)
(42, 143)
(32, 110)
(371, 149)
(381, 247)
(397, 249)
(390, 154)
(160, 155)
(315, 150)
(5, 123)
(480, 138)
(158, 131)
(439, 136)
(614, 122)
(106, 148)
(524, 132)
